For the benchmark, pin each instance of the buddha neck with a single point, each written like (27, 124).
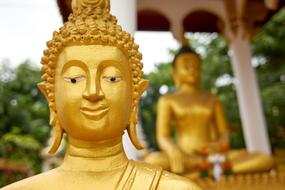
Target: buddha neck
(188, 88)
(95, 156)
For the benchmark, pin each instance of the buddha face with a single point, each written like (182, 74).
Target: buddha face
(187, 69)
(93, 92)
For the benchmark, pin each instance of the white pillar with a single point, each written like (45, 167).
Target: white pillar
(126, 13)
(254, 128)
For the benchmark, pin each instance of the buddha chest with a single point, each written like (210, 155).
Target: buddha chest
(192, 107)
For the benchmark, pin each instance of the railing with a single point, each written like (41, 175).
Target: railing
(258, 181)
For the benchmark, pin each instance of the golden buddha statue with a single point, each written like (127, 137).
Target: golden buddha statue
(199, 122)
(92, 79)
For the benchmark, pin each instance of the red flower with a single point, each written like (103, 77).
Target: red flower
(225, 147)
(227, 165)
(204, 165)
(204, 151)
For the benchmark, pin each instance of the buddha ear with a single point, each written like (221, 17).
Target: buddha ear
(42, 88)
(58, 131)
(143, 85)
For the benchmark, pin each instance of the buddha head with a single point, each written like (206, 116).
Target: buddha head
(186, 66)
(92, 76)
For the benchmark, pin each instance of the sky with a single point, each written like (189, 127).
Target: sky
(26, 25)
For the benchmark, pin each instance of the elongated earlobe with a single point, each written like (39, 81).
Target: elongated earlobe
(42, 88)
(57, 130)
(143, 84)
(57, 137)
(132, 130)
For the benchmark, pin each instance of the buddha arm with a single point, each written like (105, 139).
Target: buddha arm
(163, 131)
(221, 123)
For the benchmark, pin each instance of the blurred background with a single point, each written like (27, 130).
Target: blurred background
(24, 130)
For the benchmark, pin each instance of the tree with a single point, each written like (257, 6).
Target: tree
(24, 115)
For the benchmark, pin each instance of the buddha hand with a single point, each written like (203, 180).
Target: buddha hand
(176, 160)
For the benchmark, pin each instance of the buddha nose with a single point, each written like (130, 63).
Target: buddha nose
(93, 92)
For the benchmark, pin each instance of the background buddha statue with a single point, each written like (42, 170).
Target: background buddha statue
(199, 122)
(92, 79)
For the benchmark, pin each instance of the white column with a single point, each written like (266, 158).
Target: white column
(254, 128)
(126, 13)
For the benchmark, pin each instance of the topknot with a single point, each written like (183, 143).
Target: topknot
(185, 48)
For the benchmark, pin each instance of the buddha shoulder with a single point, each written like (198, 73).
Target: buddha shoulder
(153, 177)
(168, 98)
(170, 181)
(177, 96)
(41, 181)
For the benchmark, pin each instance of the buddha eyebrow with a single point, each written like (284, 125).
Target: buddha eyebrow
(111, 62)
(76, 63)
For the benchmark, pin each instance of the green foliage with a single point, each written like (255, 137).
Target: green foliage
(23, 115)
(20, 148)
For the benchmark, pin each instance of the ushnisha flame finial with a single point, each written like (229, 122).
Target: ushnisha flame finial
(103, 4)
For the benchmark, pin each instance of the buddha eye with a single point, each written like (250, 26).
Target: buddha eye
(112, 79)
(74, 80)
